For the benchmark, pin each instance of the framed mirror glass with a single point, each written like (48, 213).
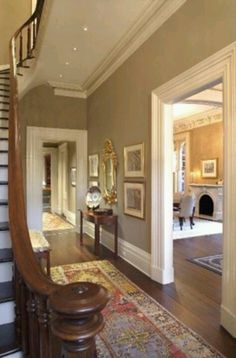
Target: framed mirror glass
(109, 165)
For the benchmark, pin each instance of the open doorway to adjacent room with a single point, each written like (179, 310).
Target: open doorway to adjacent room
(59, 186)
(198, 164)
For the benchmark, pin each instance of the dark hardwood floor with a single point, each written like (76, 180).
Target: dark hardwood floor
(195, 296)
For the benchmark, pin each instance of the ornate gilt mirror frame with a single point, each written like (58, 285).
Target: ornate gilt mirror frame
(110, 189)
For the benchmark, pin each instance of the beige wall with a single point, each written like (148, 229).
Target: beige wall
(41, 108)
(13, 13)
(71, 189)
(206, 143)
(120, 109)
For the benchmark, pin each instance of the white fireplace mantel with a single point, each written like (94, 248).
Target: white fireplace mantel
(215, 191)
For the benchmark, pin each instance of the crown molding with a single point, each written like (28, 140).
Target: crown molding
(67, 89)
(152, 18)
(198, 120)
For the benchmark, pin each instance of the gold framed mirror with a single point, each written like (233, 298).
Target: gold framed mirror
(109, 166)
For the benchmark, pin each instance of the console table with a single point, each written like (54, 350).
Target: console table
(99, 220)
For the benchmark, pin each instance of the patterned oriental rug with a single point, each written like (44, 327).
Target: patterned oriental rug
(135, 324)
(55, 222)
(213, 262)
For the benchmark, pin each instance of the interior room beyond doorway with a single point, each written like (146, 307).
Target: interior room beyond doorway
(59, 185)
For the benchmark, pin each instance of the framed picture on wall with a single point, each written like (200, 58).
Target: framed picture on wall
(209, 168)
(93, 165)
(134, 160)
(134, 194)
(73, 176)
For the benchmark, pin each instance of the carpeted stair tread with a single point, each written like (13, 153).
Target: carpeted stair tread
(4, 110)
(4, 226)
(3, 182)
(4, 84)
(8, 342)
(3, 151)
(4, 118)
(3, 166)
(5, 255)
(6, 292)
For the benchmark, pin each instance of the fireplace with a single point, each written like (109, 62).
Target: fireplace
(209, 201)
(206, 205)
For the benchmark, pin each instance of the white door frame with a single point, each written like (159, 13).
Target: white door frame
(34, 169)
(62, 178)
(221, 65)
(53, 152)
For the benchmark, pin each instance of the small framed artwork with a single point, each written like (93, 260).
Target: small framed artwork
(93, 183)
(134, 160)
(209, 168)
(134, 199)
(93, 165)
(73, 176)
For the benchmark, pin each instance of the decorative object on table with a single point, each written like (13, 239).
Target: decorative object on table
(134, 199)
(134, 160)
(109, 165)
(213, 262)
(103, 211)
(73, 176)
(93, 165)
(209, 168)
(135, 324)
(93, 197)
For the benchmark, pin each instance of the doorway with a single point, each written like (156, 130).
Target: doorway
(220, 66)
(36, 136)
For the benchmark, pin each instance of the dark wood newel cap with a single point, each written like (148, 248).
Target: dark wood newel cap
(79, 299)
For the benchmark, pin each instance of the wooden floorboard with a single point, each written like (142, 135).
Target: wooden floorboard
(195, 296)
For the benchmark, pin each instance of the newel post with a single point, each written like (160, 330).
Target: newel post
(76, 317)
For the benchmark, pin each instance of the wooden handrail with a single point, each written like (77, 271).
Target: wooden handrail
(30, 279)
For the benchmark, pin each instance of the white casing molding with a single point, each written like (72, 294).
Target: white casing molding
(130, 253)
(220, 66)
(35, 138)
(54, 177)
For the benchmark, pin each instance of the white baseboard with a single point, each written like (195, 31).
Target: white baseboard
(130, 253)
(162, 276)
(70, 216)
(4, 67)
(228, 320)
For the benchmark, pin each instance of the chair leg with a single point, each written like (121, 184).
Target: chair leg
(181, 220)
(191, 222)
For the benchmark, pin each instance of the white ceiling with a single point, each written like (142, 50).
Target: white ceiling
(115, 29)
(200, 102)
(107, 21)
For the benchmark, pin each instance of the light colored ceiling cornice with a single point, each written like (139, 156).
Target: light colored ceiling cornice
(155, 15)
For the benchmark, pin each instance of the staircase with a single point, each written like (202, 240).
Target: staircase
(8, 342)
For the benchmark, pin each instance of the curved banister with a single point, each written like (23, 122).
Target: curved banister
(41, 289)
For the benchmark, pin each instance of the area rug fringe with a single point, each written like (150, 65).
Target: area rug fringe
(136, 325)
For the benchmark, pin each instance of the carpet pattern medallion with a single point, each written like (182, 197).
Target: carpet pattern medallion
(135, 324)
(213, 262)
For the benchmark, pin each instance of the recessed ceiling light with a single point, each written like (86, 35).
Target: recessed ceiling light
(60, 76)
(75, 48)
(67, 63)
(85, 28)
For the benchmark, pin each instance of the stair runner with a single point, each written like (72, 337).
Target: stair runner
(8, 342)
